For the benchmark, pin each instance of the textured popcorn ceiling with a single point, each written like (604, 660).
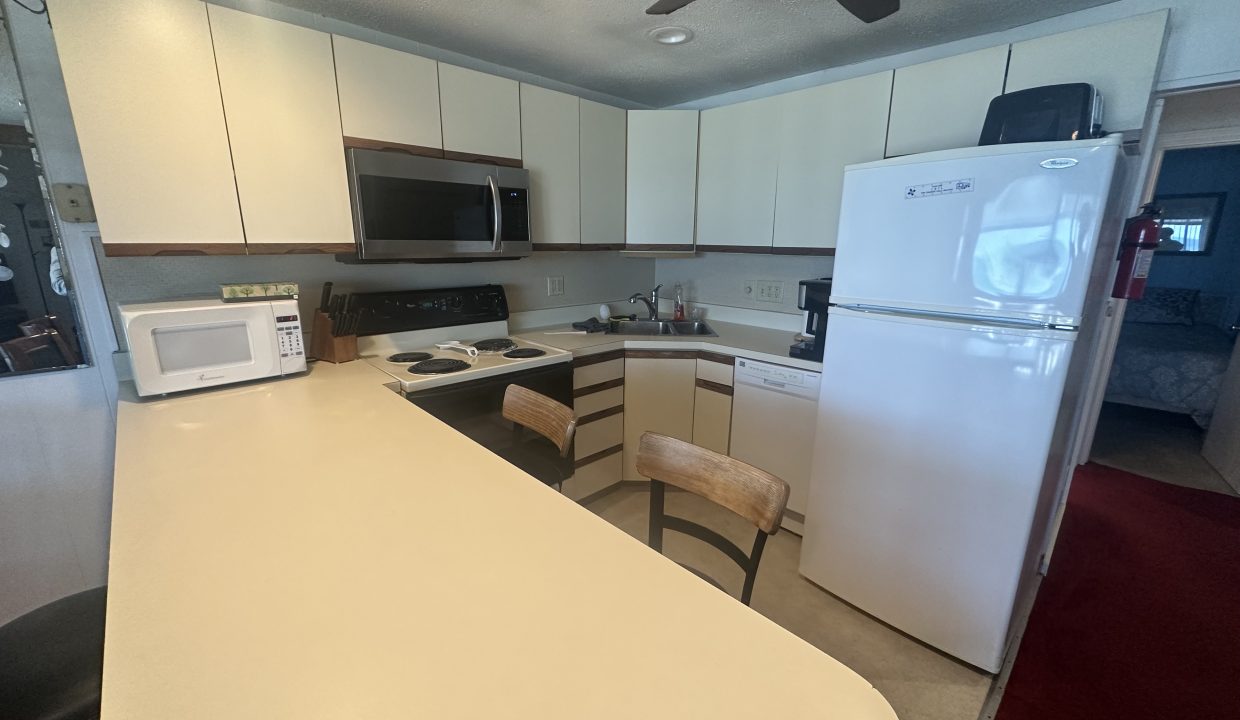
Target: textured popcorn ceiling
(602, 44)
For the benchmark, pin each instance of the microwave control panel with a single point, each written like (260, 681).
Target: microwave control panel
(292, 354)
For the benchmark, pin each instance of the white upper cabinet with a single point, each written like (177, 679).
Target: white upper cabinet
(738, 159)
(279, 89)
(603, 130)
(481, 113)
(146, 103)
(662, 178)
(942, 104)
(1120, 59)
(822, 129)
(551, 149)
(386, 94)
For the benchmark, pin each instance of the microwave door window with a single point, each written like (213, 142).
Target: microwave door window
(202, 347)
(407, 210)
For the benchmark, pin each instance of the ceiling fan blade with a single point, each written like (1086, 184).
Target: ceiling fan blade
(869, 10)
(666, 7)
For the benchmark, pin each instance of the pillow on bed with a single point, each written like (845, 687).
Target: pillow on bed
(1164, 306)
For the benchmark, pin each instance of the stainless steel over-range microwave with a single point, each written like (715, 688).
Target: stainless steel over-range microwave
(407, 207)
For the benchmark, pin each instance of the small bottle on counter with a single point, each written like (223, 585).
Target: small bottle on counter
(678, 309)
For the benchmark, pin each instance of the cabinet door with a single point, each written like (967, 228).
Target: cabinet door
(386, 94)
(279, 91)
(658, 397)
(481, 114)
(146, 103)
(822, 129)
(1120, 59)
(942, 104)
(738, 159)
(662, 179)
(603, 141)
(551, 151)
(712, 419)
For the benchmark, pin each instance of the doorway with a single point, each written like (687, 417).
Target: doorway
(1173, 356)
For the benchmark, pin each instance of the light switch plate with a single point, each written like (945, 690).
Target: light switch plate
(73, 202)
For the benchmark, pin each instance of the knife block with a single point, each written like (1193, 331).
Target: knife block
(325, 346)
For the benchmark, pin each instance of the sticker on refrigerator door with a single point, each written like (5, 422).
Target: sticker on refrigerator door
(935, 189)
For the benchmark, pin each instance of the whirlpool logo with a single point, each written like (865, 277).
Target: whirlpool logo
(1059, 163)
(204, 377)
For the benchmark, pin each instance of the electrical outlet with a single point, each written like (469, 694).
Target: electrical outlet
(555, 285)
(770, 291)
(747, 287)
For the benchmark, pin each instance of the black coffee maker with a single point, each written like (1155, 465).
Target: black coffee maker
(812, 297)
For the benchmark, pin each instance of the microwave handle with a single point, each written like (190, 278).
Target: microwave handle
(498, 213)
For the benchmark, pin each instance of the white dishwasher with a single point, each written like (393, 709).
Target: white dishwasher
(774, 415)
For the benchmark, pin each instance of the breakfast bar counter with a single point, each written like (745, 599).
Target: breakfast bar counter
(318, 547)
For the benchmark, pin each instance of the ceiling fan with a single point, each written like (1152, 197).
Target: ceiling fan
(865, 10)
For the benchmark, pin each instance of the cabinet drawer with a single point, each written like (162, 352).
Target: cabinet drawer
(592, 403)
(714, 372)
(598, 373)
(598, 436)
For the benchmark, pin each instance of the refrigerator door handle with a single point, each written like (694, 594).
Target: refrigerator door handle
(955, 317)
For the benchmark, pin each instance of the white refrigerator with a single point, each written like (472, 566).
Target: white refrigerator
(961, 281)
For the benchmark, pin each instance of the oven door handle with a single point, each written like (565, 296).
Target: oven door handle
(497, 226)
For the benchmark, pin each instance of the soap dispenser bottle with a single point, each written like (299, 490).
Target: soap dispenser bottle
(678, 309)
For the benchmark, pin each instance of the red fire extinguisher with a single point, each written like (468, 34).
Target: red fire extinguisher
(1136, 253)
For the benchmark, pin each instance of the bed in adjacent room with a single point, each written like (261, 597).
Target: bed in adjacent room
(1173, 352)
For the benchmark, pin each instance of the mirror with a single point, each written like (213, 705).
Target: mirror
(1189, 222)
(38, 318)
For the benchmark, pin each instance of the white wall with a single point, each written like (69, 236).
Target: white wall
(57, 429)
(1200, 48)
(720, 279)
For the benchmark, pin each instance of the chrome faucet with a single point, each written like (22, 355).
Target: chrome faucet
(652, 303)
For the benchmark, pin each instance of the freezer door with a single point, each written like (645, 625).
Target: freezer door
(931, 444)
(1010, 234)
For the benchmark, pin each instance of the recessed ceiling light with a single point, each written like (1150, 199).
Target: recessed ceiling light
(671, 35)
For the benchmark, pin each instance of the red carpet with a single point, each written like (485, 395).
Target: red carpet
(1139, 616)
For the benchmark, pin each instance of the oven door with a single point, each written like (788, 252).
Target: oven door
(407, 207)
(474, 408)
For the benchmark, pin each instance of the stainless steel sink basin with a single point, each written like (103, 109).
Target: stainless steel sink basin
(661, 327)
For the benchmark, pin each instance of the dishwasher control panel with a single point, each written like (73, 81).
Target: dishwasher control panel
(775, 376)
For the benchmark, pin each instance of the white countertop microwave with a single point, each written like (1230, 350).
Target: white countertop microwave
(189, 344)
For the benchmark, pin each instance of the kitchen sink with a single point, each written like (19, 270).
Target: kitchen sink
(661, 327)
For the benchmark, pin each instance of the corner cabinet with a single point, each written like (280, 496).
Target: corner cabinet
(661, 186)
(551, 152)
(659, 388)
(388, 97)
(1120, 59)
(145, 97)
(817, 140)
(278, 84)
(712, 402)
(481, 115)
(942, 104)
(738, 161)
(604, 141)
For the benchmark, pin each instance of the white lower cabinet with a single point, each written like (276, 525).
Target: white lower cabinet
(659, 389)
(599, 405)
(712, 403)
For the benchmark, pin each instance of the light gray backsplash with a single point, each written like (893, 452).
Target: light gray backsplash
(720, 278)
(589, 277)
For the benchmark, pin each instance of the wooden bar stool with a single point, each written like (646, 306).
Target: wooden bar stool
(51, 660)
(553, 420)
(754, 494)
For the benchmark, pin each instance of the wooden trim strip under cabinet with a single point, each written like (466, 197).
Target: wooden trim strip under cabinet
(761, 249)
(662, 354)
(802, 251)
(596, 416)
(716, 357)
(654, 247)
(300, 248)
(598, 456)
(715, 387)
(172, 249)
(365, 144)
(597, 358)
(476, 158)
(554, 247)
(601, 246)
(598, 387)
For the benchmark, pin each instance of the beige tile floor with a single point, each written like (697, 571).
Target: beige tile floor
(1160, 445)
(920, 683)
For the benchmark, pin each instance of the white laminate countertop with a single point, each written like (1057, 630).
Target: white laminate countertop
(746, 341)
(318, 547)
